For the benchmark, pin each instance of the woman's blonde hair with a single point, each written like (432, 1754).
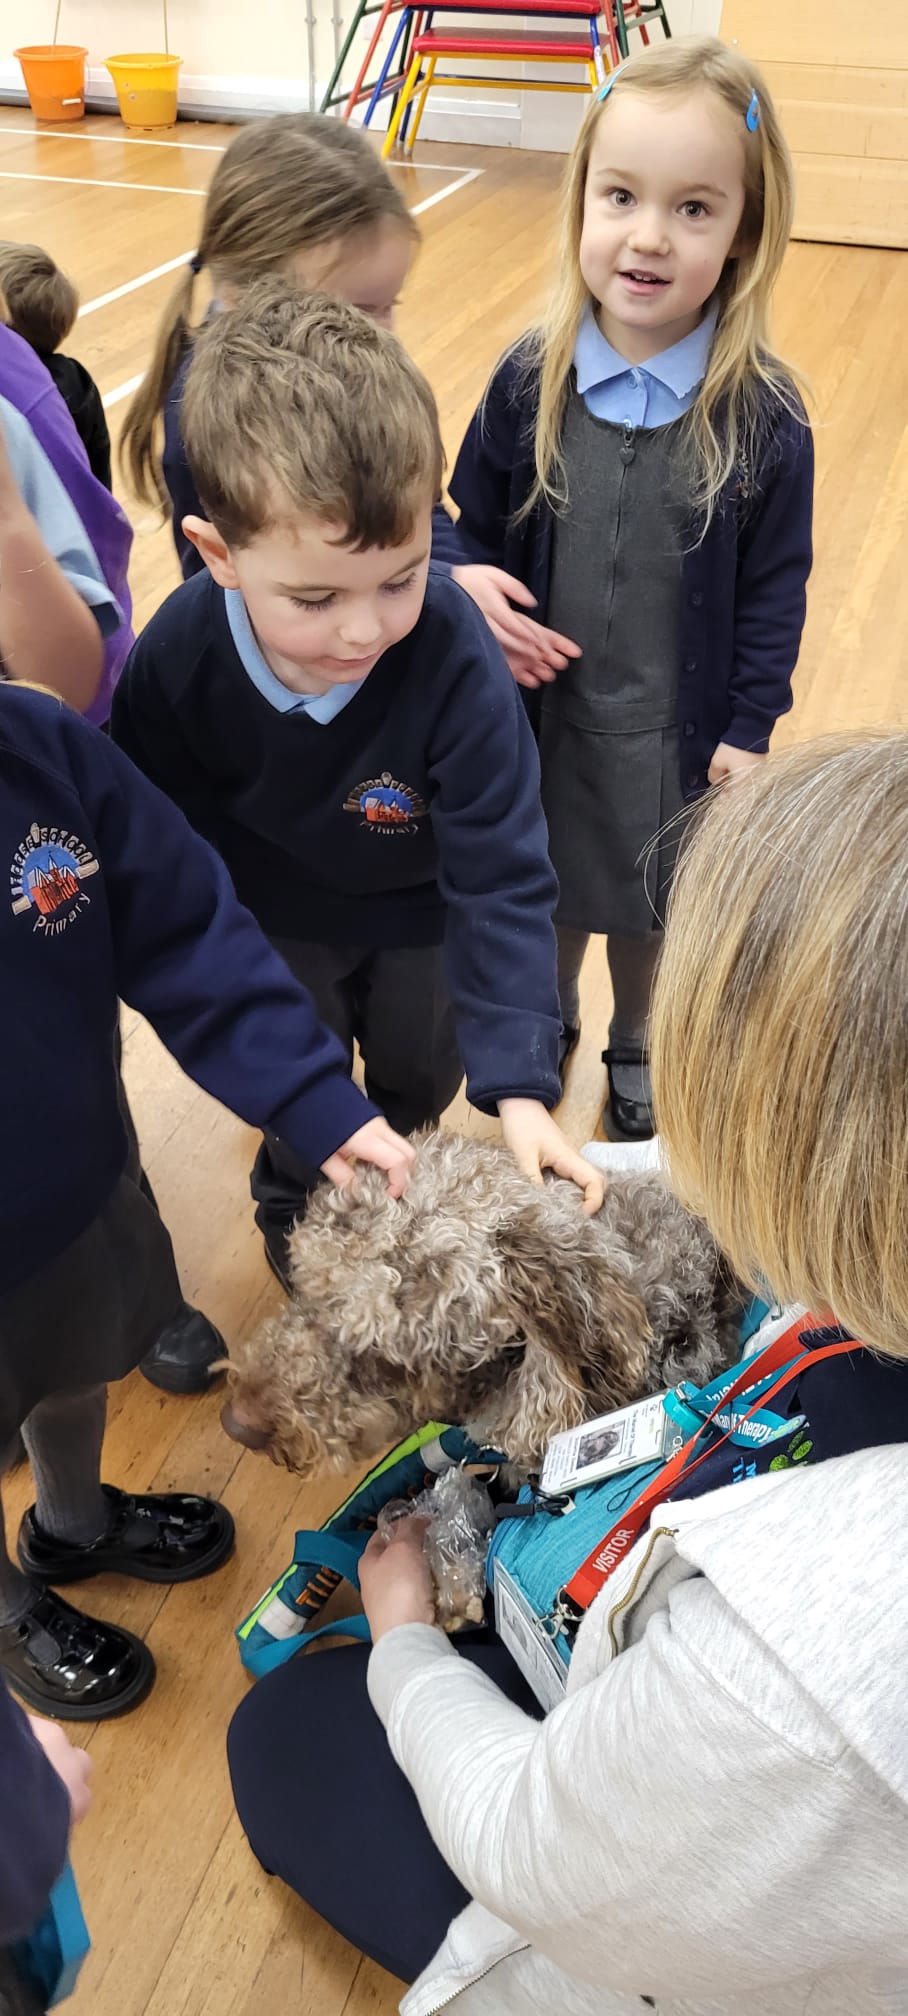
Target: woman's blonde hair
(723, 428)
(284, 186)
(780, 1030)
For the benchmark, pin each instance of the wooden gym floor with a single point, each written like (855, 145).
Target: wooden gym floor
(184, 1923)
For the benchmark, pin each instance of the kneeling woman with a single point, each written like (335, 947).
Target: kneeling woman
(715, 1821)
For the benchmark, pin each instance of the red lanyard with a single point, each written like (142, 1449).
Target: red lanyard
(595, 1571)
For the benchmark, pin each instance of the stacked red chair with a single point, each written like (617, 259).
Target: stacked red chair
(574, 33)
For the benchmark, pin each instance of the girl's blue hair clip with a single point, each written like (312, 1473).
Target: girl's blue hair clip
(752, 115)
(605, 88)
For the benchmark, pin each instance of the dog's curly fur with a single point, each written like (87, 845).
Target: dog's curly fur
(481, 1299)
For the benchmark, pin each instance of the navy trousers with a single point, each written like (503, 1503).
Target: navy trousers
(326, 1809)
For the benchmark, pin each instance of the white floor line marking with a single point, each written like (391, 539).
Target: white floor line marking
(172, 265)
(87, 182)
(129, 286)
(191, 146)
(121, 392)
(427, 203)
(112, 139)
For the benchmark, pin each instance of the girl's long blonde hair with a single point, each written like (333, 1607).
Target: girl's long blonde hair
(723, 428)
(285, 185)
(779, 1035)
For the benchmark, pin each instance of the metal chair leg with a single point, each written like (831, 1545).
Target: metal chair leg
(382, 77)
(421, 106)
(621, 29)
(362, 73)
(414, 27)
(413, 75)
(338, 70)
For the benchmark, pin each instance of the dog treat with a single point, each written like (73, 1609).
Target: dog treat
(458, 1512)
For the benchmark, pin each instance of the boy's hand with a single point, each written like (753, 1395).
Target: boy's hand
(376, 1143)
(394, 1580)
(536, 1143)
(73, 1766)
(729, 763)
(534, 653)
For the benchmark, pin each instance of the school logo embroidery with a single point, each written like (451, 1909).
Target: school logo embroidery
(385, 805)
(46, 878)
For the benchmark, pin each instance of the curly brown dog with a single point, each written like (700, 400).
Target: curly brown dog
(479, 1299)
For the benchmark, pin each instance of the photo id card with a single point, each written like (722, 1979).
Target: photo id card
(642, 1433)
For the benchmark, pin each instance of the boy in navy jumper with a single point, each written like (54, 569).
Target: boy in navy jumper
(109, 894)
(337, 719)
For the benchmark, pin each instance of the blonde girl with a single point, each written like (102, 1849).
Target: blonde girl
(642, 463)
(297, 194)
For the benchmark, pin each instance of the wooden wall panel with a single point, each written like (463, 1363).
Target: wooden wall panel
(844, 107)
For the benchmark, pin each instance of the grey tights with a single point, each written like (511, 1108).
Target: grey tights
(63, 1437)
(632, 964)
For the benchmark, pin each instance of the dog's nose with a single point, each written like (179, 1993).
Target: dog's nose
(243, 1431)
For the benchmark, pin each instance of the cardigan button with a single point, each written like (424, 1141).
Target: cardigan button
(690, 664)
(690, 728)
(696, 600)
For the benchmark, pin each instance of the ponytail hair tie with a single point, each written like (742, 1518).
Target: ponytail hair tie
(195, 263)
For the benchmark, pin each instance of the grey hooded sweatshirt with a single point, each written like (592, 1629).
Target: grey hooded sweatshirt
(715, 1820)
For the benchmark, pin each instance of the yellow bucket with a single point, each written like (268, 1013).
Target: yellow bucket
(146, 88)
(54, 75)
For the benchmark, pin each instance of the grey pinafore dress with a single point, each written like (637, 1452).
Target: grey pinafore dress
(608, 738)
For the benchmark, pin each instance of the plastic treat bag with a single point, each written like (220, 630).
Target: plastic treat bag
(459, 1516)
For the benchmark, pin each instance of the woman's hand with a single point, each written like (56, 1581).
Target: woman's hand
(376, 1143)
(729, 763)
(394, 1579)
(534, 653)
(537, 1143)
(73, 1766)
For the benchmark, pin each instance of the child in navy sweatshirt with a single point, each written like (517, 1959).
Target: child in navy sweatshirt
(111, 895)
(42, 305)
(46, 1791)
(334, 715)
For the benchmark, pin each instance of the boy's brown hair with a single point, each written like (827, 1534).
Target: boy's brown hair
(41, 304)
(297, 406)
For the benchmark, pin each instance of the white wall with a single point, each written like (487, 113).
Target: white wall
(239, 55)
(259, 55)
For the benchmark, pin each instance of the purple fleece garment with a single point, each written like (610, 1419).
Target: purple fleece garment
(27, 385)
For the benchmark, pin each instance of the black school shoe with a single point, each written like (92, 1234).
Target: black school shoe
(628, 1115)
(71, 1667)
(181, 1358)
(166, 1537)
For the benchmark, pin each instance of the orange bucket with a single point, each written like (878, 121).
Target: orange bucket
(54, 75)
(146, 88)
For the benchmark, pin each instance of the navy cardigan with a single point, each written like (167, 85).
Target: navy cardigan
(743, 586)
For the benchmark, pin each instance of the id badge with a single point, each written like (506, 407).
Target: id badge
(641, 1433)
(527, 1641)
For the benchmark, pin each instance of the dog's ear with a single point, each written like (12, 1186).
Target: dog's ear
(585, 1326)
